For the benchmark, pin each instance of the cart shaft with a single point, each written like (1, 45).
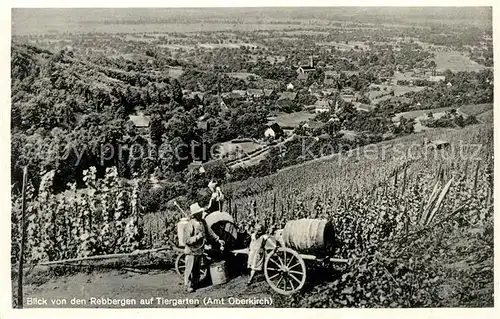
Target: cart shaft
(333, 260)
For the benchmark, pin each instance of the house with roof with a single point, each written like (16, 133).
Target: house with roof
(322, 106)
(347, 90)
(195, 166)
(202, 125)
(255, 93)
(306, 68)
(349, 74)
(303, 76)
(288, 96)
(239, 93)
(349, 135)
(192, 95)
(436, 144)
(226, 95)
(363, 107)
(313, 88)
(207, 166)
(348, 97)
(286, 99)
(334, 119)
(274, 131)
(329, 81)
(331, 77)
(329, 91)
(141, 122)
(437, 78)
(269, 93)
(313, 125)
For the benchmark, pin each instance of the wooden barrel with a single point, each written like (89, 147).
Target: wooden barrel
(308, 235)
(218, 273)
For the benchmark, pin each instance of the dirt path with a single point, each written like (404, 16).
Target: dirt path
(131, 286)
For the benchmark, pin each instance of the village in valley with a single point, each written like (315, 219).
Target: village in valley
(311, 103)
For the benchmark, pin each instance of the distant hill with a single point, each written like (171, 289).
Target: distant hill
(49, 89)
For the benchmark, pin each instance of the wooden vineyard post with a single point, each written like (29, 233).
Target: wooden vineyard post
(439, 172)
(20, 299)
(475, 175)
(235, 214)
(282, 213)
(466, 167)
(254, 209)
(404, 179)
(274, 203)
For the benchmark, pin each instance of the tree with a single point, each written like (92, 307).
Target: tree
(156, 130)
(176, 91)
(432, 64)
(406, 125)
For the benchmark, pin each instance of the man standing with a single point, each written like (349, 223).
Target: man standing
(195, 244)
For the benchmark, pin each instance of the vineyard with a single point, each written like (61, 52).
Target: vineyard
(101, 219)
(408, 246)
(403, 254)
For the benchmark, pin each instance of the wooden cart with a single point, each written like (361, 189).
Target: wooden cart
(284, 268)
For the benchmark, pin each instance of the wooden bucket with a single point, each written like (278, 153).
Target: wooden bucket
(218, 273)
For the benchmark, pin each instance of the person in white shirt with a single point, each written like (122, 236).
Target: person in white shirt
(216, 199)
(256, 251)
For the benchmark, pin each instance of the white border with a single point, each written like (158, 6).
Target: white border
(5, 292)
(246, 3)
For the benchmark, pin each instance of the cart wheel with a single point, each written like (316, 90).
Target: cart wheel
(180, 266)
(285, 271)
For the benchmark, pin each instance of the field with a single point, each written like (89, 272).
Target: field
(161, 20)
(177, 47)
(242, 75)
(456, 62)
(486, 117)
(418, 113)
(476, 109)
(175, 72)
(398, 76)
(291, 120)
(401, 89)
(227, 45)
(245, 147)
(380, 99)
(351, 45)
(148, 27)
(385, 89)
